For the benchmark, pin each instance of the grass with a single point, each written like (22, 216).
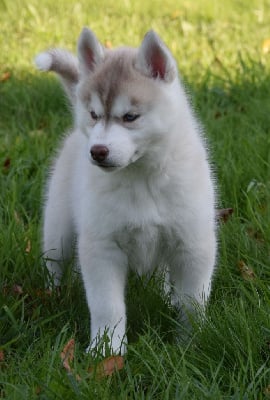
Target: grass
(218, 46)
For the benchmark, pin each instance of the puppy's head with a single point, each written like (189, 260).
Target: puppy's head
(123, 98)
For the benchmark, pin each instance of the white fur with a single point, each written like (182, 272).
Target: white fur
(43, 61)
(153, 206)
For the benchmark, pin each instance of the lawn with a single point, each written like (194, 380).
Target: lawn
(223, 53)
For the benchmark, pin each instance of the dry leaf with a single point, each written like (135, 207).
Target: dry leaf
(257, 235)
(108, 366)
(5, 76)
(218, 114)
(2, 361)
(176, 14)
(246, 272)
(7, 163)
(38, 390)
(267, 391)
(67, 355)
(108, 44)
(17, 217)
(17, 289)
(266, 46)
(28, 246)
(224, 213)
(43, 293)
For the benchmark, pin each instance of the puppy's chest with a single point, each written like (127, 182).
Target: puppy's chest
(144, 246)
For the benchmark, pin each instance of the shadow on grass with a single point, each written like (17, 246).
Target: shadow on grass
(30, 102)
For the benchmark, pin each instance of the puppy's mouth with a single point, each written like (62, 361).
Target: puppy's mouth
(105, 166)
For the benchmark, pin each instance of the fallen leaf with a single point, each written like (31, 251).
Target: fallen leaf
(67, 355)
(2, 363)
(246, 272)
(267, 391)
(223, 214)
(266, 46)
(7, 163)
(176, 14)
(43, 293)
(17, 217)
(17, 289)
(5, 76)
(28, 246)
(108, 44)
(38, 390)
(255, 234)
(5, 290)
(108, 366)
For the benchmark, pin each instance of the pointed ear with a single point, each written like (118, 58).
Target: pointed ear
(65, 64)
(154, 59)
(90, 51)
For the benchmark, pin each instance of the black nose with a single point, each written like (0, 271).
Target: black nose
(99, 152)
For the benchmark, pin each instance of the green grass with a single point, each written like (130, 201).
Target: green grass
(218, 46)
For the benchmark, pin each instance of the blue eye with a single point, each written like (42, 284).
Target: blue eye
(128, 117)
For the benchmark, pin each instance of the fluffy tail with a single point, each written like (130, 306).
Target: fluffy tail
(65, 64)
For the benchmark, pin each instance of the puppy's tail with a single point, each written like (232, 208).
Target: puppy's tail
(65, 64)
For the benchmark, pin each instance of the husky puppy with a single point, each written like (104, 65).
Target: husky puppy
(132, 181)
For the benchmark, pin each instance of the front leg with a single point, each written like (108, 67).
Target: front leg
(192, 269)
(104, 270)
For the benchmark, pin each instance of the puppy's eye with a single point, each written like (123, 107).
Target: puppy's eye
(94, 115)
(129, 117)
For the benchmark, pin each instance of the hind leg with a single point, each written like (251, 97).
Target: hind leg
(57, 238)
(57, 235)
(58, 227)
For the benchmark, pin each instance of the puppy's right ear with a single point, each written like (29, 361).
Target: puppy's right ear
(65, 64)
(90, 51)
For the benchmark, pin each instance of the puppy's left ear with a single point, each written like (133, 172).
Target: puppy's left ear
(155, 60)
(90, 51)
